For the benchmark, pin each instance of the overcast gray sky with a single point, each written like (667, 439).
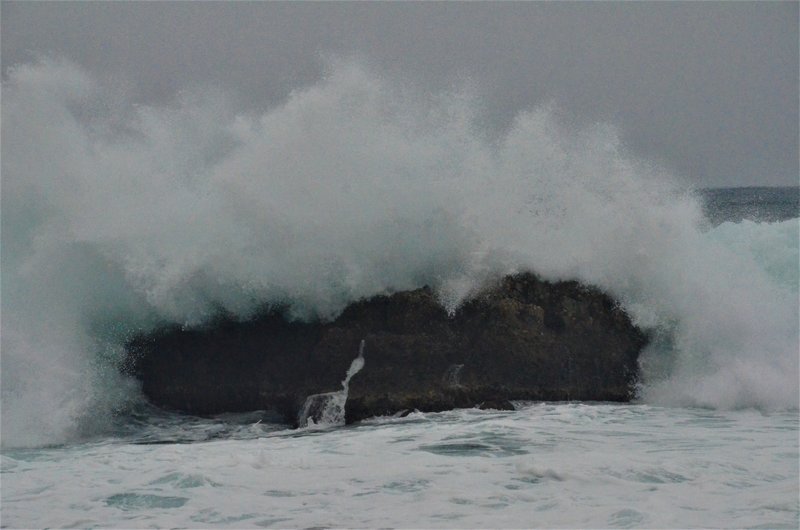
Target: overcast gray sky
(708, 89)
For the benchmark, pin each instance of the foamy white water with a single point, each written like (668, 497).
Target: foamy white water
(117, 218)
(546, 465)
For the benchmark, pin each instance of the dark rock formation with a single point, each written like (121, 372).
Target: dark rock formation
(523, 339)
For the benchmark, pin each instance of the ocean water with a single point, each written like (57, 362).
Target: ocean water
(572, 465)
(118, 218)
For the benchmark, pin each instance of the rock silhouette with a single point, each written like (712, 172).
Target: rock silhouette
(520, 339)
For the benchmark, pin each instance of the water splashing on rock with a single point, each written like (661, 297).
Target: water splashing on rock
(328, 409)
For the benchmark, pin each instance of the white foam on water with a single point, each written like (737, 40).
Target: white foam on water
(117, 217)
(546, 465)
(327, 410)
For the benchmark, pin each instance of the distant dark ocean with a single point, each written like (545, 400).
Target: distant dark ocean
(752, 203)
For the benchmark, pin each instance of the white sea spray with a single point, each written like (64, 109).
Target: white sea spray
(117, 217)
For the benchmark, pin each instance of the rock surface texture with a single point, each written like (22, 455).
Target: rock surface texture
(521, 339)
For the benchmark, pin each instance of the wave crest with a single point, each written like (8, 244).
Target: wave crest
(117, 217)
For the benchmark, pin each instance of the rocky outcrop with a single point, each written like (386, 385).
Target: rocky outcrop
(522, 339)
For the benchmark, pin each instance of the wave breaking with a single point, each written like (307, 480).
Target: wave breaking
(118, 218)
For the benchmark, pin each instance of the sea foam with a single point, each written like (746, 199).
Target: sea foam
(118, 217)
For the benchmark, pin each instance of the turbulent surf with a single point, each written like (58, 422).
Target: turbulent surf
(120, 217)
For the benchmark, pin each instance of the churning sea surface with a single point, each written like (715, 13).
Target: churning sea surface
(541, 465)
(120, 217)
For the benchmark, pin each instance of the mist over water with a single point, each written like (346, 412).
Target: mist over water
(117, 218)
